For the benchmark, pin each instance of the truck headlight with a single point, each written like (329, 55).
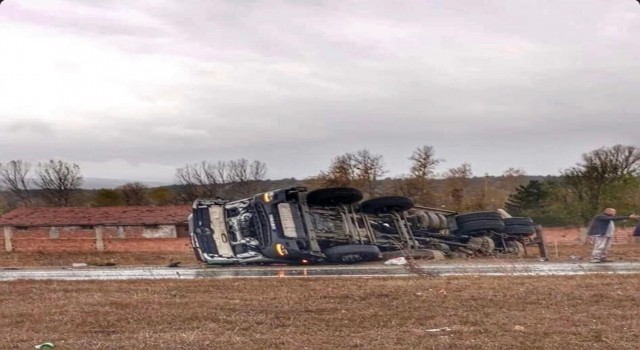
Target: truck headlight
(267, 197)
(280, 249)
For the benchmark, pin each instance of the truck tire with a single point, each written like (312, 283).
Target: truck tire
(353, 253)
(515, 248)
(386, 205)
(480, 225)
(519, 230)
(482, 244)
(333, 196)
(518, 221)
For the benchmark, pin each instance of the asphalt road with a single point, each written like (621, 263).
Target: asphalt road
(477, 269)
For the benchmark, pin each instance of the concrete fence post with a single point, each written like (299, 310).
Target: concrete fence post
(582, 235)
(54, 232)
(99, 238)
(8, 238)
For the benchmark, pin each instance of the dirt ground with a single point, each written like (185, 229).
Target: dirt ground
(509, 312)
(618, 252)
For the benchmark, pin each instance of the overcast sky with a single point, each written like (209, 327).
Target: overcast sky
(135, 89)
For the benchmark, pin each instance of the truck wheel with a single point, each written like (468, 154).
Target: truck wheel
(519, 230)
(353, 253)
(483, 245)
(386, 204)
(517, 221)
(481, 225)
(333, 196)
(514, 247)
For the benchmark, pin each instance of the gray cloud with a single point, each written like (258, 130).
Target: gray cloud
(496, 84)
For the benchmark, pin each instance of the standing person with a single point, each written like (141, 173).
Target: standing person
(636, 233)
(602, 229)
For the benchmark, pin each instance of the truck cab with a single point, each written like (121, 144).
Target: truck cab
(270, 227)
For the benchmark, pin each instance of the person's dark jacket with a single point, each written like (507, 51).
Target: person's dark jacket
(600, 224)
(636, 231)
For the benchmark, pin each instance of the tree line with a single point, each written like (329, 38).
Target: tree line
(58, 183)
(607, 176)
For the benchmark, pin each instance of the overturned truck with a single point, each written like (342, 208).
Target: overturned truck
(334, 225)
(276, 227)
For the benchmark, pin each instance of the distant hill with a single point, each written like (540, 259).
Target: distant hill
(94, 183)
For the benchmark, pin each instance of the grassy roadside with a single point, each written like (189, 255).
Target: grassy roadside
(618, 252)
(50, 259)
(511, 312)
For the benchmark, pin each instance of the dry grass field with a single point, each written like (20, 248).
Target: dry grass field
(510, 312)
(488, 313)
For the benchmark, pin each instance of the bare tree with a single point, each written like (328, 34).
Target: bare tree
(239, 170)
(424, 162)
(342, 171)
(514, 173)
(418, 184)
(189, 189)
(457, 181)
(257, 170)
(134, 193)
(370, 169)
(234, 179)
(244, 176)
(361, 169)
(58, 181)
(14, 176)
(221, 169)
(200, 179)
